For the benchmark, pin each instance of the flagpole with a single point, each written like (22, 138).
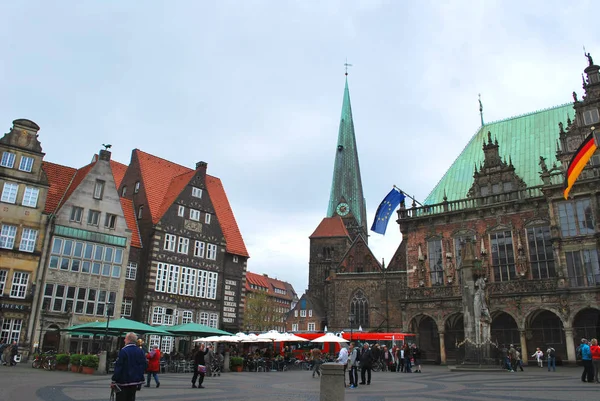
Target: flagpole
(408, 196)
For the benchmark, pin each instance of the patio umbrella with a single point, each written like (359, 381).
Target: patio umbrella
(218, 339)
(290, 337)
(120, 326)
(195, 329)
(329, 338)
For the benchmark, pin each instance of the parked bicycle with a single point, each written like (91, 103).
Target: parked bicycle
(47, 361)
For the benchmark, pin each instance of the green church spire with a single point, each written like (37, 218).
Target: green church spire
(346, 199)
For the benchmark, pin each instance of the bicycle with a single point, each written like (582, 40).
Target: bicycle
(47, 361)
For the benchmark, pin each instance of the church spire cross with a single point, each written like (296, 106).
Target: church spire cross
(346, 65)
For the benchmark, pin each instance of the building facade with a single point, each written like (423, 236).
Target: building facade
(268, 302)
(24, 187)
(193, 264)
(85, 258)
(535, 252)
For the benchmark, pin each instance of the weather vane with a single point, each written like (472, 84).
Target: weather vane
(347, 65)
(107, 146)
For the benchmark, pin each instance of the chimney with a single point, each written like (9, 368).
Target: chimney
(105, 155)
(201, 166)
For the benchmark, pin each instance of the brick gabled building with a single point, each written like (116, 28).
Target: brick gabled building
(23, 189)
(193, 264)
(268, 313)
(86, 253)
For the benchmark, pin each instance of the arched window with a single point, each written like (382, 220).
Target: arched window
(360, 308)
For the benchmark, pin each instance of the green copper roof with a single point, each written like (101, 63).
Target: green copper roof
(523, 139)
(347, 184)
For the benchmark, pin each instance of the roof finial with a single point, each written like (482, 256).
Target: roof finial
(347, 65)
(589, 57)
(481, 110)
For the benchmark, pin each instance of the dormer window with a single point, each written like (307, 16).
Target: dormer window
(27, 162)
(591, 117)
(136, 189)
(140, 212)
(8, 160)
(124, 191)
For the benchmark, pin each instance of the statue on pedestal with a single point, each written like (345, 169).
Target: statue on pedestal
(483, 320)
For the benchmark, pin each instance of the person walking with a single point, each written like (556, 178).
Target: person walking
(200, 366)
(316, 356)
(595, 350)
(14, 351)
(129, 370)
(416, 356)
(353, 366)
(366, 364)
(551, 354)
(539, 356)
(586, 359)
(512, 358)
(407, 359)
(342, 359)
(153, 365)
(400, 358)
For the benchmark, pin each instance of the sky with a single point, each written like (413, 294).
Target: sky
(254, 88)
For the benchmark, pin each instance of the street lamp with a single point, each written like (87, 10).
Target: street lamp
(109, 311)
(351, 320)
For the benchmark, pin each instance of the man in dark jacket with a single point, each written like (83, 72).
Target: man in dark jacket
(366, 363)
(129, 369)
(199, 370)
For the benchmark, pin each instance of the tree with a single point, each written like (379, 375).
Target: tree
(262, 312)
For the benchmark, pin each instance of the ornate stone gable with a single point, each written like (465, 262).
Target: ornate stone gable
(359, 259)
(494, 176)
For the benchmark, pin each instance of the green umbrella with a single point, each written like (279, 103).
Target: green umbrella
(195, 329)
(120, 326)
(78, 327)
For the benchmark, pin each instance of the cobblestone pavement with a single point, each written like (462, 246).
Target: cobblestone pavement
(437, 383)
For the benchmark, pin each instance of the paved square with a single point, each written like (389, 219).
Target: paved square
(437, 383)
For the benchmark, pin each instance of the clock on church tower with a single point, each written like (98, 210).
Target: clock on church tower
(342, 209)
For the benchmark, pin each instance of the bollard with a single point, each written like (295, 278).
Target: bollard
(101, 362)
(226, 362)
(332, 382)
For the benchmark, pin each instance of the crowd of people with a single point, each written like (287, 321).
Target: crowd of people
(8, 353)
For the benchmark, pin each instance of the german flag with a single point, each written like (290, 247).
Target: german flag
(578, 162)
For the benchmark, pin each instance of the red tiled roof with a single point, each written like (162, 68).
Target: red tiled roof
(59, 178)
(270, 283)
(130, 219)
(233, 237)
(79, 176)
(330, 227)
(177, 185)
(118, 170)
(163, 182)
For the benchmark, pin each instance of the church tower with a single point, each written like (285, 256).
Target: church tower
(346, 199)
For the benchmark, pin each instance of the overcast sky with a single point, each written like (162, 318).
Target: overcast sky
(254, 88)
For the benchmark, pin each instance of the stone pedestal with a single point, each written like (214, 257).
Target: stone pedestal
(101, 362)
(332, 382)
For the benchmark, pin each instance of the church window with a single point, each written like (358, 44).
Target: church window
(576, 218)
(503, 256)
(436, 268)
(541, 255)
(591, 117)
(583, 268)
(360, 308)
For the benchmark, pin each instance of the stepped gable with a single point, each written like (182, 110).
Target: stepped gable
(59, 178)
(163, 182)
(330, 227)
(523, 140)
(131, 220)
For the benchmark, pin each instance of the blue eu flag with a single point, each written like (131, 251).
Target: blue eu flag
(385, 209)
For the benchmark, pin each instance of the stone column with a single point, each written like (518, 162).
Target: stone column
(101, 362)
(442, 348)
(524, 352)
(332, 382)
(226, 362)
(571, 355)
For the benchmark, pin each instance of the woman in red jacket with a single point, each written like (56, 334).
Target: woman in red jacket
(595, 349)
(153, 365)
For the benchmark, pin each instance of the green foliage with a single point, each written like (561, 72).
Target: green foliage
(91, 361)
(261, 312)
(236, 361)
(62, 359)
(76, 359)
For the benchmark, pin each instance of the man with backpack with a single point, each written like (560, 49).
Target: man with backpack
(551, 353)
